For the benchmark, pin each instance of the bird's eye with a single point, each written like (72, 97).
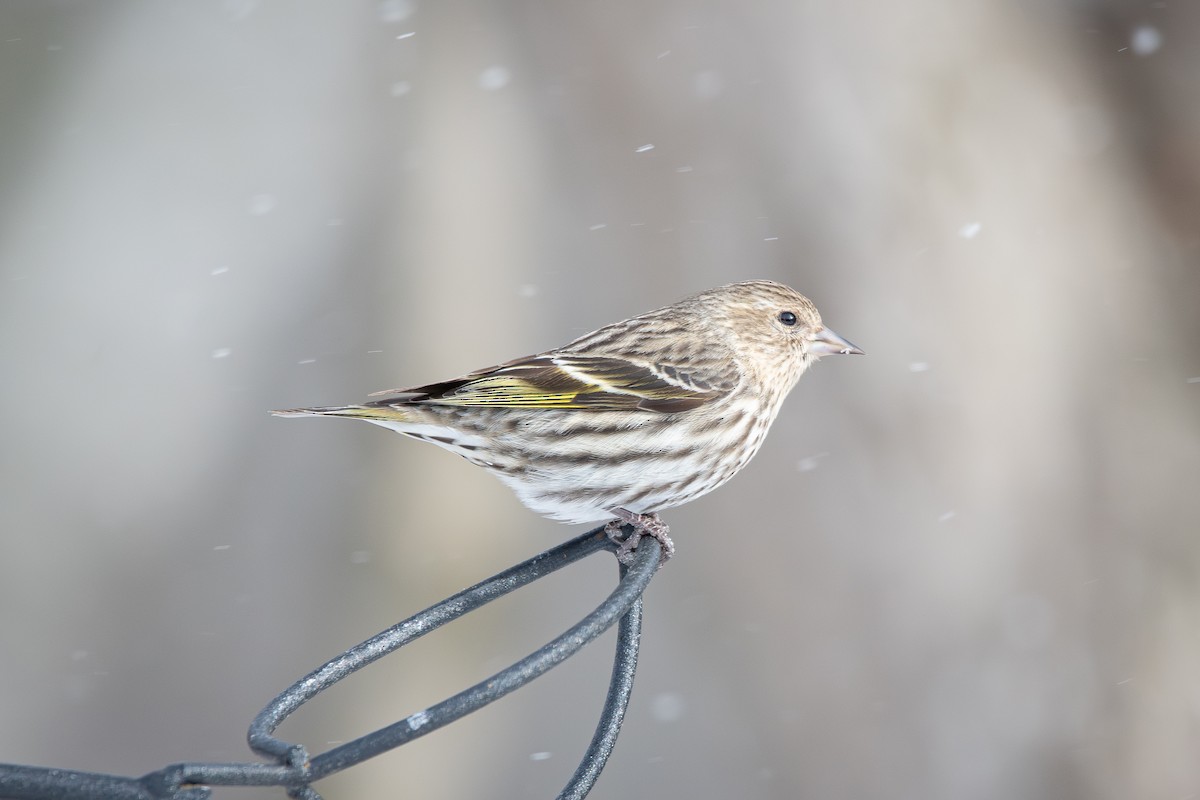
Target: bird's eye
(787, 318)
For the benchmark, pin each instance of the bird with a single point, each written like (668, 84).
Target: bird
(636, 417)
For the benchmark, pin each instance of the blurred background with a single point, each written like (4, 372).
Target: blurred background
(964, 566)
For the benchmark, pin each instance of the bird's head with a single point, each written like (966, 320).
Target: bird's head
(777, 331)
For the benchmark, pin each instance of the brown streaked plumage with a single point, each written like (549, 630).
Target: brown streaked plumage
(636, 417)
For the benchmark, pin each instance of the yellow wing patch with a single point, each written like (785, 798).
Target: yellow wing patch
(509, 391)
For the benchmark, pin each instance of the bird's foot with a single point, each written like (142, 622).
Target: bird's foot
(643, 525)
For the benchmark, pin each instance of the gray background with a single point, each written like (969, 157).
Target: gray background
(964, 566)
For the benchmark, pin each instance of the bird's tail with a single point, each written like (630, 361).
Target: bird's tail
(415, 422)
(371, 413)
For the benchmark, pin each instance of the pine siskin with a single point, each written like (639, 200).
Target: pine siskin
(639, 416)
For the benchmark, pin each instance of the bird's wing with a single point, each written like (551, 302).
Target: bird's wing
(566, 380)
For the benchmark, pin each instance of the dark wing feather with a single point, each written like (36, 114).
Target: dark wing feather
(599, 383)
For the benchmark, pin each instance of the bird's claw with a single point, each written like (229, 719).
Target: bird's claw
(643, 525)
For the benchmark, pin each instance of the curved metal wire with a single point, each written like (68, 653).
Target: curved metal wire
(296, 770)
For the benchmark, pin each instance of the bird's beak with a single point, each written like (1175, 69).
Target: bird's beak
(828, 343)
